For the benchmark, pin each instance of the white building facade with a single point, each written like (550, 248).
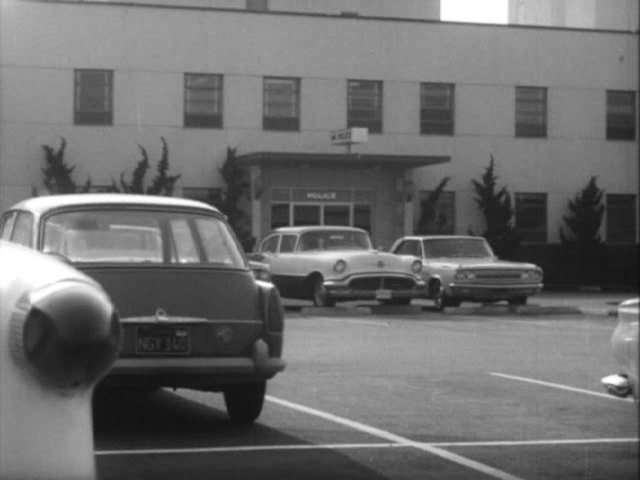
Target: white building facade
(553, 106)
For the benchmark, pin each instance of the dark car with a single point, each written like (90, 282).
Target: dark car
(193, 314)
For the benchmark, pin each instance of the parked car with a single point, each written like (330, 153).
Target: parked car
(192, 313)
(624, 342)
(328, 264)
(461, 268)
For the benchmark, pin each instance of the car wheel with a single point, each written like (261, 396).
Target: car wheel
(518, 301)
(320, 298)
(244, 402)
(438, 295)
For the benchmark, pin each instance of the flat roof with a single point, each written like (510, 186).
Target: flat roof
(344, 160)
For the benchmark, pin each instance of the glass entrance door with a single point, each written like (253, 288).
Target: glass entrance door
(337, 215)
(306, 215)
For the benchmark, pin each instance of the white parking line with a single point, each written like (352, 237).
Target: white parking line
(357, 446)
(392, 437)
(560, 386)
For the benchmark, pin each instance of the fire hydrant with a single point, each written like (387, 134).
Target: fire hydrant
(59, 334)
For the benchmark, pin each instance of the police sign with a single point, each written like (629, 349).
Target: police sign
(349, 136)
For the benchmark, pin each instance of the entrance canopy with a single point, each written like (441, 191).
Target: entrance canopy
(342, 160)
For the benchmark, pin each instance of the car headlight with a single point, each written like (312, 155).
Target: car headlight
(531, 275)
(464, 275)
(340, 266)
(416, 266)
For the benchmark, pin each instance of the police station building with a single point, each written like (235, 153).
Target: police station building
(342, 111)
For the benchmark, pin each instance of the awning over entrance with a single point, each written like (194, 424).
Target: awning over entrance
(343, 160)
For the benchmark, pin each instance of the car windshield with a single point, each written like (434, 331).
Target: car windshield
(334, 240)
(137, 236)
(456, 247)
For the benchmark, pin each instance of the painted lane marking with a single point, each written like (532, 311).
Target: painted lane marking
(392, 437)
(535, 443)
(354, 446)
(249, 448)
(560, 386)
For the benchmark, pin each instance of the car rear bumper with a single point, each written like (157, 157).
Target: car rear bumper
(493, 292)
(194, 372)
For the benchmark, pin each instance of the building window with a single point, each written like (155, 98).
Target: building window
(281, 103)
(621, 218)
(531, 112)
(436, 108)
(258, 5)
(435, 216)
(202, 100)
(531, 217)
(364, 105)
(93, 97)
(621, 115)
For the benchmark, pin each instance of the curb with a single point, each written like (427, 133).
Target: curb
(521, 310)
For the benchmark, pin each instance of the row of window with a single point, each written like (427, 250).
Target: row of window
(530, 214)
(203, 100)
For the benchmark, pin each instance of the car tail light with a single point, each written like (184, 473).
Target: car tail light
(274, 311)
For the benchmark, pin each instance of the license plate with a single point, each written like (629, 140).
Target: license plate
(383, 294)
(162, 341)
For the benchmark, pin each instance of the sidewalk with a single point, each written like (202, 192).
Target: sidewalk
(546, 303)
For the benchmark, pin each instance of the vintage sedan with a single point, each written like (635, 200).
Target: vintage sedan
(193, 314)
(328, 264)
(624, 342)
(461, 268)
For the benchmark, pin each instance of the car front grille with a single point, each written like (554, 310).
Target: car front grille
(386, 283)
(498, 274)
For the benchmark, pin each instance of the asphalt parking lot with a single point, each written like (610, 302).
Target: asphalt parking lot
(465, 394)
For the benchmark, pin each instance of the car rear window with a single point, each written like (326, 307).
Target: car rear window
(141, 236)
(456, 247)
(334, 240)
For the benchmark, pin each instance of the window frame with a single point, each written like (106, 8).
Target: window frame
(537, 108)
(621, 126)
(631, 235)
(87, 116)
(278, 122)
(216, 92)
(539, 233)
(257, 5)
(434, 126)
(374, 124)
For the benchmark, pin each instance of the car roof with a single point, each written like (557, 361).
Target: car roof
(441, 237)
(43, 204)
(315, 228)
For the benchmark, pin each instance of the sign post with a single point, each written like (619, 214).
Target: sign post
(349, 136)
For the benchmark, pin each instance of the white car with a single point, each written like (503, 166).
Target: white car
(327, 264)
(624, 342)
(461, 268)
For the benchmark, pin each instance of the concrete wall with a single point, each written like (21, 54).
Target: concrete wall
(149, 49)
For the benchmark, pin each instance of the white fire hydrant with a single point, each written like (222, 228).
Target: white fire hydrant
(59, 334)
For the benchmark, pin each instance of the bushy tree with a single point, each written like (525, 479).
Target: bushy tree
(495, 204)
(585, 216)
(235, 190)
(58, 175)
(161, 184)
(429, 222)
(583, 249)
